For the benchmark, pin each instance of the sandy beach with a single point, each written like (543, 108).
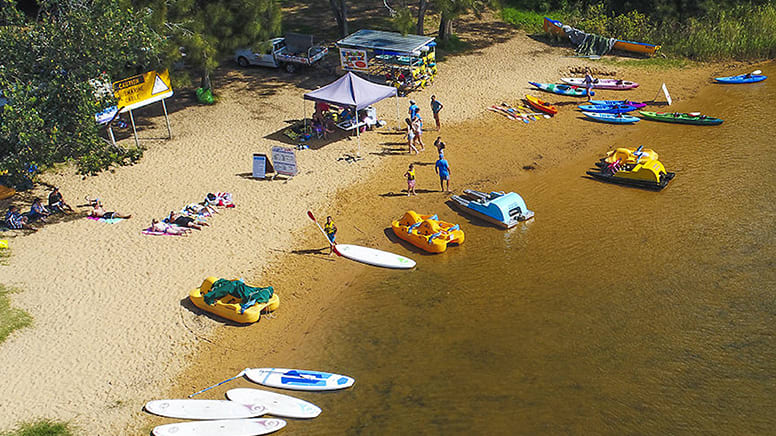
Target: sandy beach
(112, 326)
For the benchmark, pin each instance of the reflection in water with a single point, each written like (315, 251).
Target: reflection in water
(617, 311)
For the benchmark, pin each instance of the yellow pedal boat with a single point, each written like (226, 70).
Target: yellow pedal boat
(629, 156)
(229, 307)
(427, 232)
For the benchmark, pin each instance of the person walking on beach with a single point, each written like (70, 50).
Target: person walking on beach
(410, 175)
(411, 136)
(588, 83)
(436, 106)
(443, 169)
(440, 146)
(417, 124)
(331, 232)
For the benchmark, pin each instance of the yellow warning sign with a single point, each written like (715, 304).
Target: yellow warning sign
(143, 89)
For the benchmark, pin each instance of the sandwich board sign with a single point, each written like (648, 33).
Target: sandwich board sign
(142, 89)
(284, 161)
(261, 166)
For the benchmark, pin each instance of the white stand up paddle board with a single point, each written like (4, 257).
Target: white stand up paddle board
(226, 427)
(204, 409)
(371, 256)
(298, 379)
(276, 404)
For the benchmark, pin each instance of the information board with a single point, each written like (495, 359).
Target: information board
(284, 161)
(353, 59)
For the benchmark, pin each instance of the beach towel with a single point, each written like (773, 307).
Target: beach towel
(103, 220)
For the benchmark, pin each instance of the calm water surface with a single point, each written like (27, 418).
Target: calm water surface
(618, 311)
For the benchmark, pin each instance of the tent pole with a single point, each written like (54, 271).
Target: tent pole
(398, 117)
(304, 114)
(358, 134)
(134, 129)
(166, 118)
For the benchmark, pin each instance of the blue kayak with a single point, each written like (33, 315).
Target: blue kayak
(607, 108)
(574, 91)
(612, 118)
(636, 104)
(742, 78)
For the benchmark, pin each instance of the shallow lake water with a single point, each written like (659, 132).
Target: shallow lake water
(616, 311)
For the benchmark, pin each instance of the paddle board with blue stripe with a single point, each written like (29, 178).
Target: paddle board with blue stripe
(204, 409)
(298, 379)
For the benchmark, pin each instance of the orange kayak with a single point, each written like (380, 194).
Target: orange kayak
(541, 105)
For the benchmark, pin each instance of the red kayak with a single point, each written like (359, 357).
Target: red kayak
(541, 105)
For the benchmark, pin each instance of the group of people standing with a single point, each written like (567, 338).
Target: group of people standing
(414, 140)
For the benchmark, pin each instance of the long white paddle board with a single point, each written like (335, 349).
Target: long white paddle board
(371, 256)
(204, 409)
(276, 404)
(298, 379)
(226, 427)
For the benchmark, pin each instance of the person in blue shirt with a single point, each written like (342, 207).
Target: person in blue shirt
(413, 109)
(436, 106)
(443, 169)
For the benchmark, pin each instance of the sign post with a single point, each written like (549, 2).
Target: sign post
(141, 90)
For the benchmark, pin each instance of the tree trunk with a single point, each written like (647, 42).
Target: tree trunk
(421, 16)
(204, 81)
(341, 15)
(445, 27)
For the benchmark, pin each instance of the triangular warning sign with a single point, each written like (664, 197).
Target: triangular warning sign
(159, 86)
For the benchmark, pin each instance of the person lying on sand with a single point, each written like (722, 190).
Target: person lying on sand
(170, 229)
(99, 212)
(184, 221)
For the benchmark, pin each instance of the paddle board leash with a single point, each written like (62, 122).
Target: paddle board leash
(242, 373)
(331, 244)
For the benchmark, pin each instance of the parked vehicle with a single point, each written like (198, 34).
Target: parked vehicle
(290, 52)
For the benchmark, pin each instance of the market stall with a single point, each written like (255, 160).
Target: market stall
(404, 62)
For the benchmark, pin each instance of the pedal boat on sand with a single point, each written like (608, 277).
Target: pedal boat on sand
(648, 175)
(427, 232)
(502, 209)
(230, 307)
(627, 156)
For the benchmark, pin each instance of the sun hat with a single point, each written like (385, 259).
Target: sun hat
(412, 101)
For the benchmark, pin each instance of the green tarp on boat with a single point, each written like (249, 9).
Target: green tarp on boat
(248, 295)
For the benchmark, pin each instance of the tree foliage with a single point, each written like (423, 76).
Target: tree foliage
(205, 31)
(46, 71)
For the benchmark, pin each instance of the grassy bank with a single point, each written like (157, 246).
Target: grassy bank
(41, 428)
(740, 32)
(10, 318)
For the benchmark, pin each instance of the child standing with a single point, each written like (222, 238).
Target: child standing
(331, 232)
(410, 175)
(411, 136)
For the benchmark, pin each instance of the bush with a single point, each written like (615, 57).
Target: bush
(41, 428)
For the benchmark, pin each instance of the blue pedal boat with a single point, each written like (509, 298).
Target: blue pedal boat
(502, 209)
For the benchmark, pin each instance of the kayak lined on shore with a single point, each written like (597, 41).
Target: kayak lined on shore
(607, 108)
(613, 84)
(742, 78)
(681, 118)
(636, 104)
(541, 105)
(573, 91)
(612, 118)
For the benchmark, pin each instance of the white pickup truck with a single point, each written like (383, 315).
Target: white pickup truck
(290, 52)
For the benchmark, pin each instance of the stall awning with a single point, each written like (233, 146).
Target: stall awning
(352, 91)
(385, 41)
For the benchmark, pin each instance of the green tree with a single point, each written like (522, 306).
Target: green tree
(206, 31)
(450, 10)
(47, 71)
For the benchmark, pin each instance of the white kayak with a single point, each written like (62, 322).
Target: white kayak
(276, 404)
(204, 409)
(371, 256)
(298, 379)
(601, 83)
(225, 427)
